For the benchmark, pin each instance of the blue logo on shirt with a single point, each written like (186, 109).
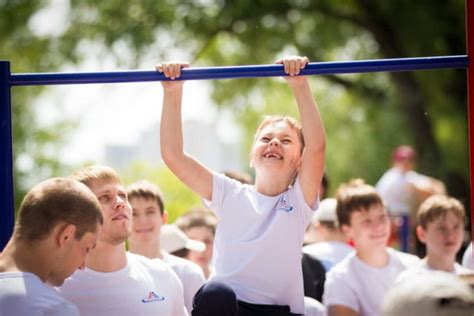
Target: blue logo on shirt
(153, 297)
(283, 205)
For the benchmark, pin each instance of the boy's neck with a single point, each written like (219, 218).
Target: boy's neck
(20, 257)
(107, 257)
(373, 258)
(270, 185)
(440, 263)
(150, 249)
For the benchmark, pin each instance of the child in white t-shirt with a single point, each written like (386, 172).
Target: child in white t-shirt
(149, 217)
(357, 285)
(441, 220)
(271, 215)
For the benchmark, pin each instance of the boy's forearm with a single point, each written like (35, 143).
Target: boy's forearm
(311, 121)
(171, 135)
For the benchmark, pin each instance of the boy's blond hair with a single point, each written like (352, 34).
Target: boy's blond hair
(437, 206)
(91, 173)
(292, 122)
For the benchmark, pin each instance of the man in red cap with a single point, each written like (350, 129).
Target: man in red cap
(403, 189)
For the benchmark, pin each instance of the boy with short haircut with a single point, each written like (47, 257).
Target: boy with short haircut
(288, 159)
(116, 282)
(56, 227)
(441, 220)
(357, 285)
(149, 216)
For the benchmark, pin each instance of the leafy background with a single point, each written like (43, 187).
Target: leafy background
(365, 115)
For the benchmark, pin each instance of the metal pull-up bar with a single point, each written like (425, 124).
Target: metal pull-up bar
(8, 80)
(207, 73)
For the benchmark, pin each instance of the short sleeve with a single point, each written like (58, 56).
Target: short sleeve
(337, 291)
(222, 187)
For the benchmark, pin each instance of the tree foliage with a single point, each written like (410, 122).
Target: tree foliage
(177, 197)
(366, 115)
(35, 147)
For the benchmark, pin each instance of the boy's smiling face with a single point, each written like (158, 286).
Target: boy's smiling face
(277, 146)
(443, 236)
(147, 220)
(369, 228)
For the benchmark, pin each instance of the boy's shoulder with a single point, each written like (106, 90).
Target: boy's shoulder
(344, 267)
(406, 259)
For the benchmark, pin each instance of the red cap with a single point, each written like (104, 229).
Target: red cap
(403, 153)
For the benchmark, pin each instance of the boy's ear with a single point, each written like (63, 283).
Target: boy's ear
(164, 217)
(346, 229)
(65, 234)
(420, 233)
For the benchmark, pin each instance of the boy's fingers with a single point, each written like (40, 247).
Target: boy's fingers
(305, 62)
(177, 70)
(293, 69)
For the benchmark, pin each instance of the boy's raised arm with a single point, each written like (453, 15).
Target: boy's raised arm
(190, 171)
(312, 165)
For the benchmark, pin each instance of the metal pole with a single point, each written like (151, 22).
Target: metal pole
(6, 157)
(470, 100)
(254, 71)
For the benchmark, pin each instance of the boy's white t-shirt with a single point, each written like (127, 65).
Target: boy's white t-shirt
(143, 287)
(468, 257)
(23, 293)
(328, 253)
(354, 284)
(422, 267)
(257, 247)
(190, 275)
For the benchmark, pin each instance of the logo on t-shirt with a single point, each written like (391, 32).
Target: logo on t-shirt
(153, 297)
(283, 205)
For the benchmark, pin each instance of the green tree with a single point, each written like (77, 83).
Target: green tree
(366, 115)
(35, 147)
(177, 197)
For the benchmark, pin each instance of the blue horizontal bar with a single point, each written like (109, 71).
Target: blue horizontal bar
(203, 73)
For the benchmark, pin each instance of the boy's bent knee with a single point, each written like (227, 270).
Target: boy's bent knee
(215, 298)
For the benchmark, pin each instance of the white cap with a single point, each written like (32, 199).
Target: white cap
(326, 211)
(435, 293)
(172, 239)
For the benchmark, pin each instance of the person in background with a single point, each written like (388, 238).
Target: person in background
(441, 220)
(272, 214)
(357, 284)
(114, 281)
(149, 216)
(57, 225)
(330, 245)
(199, 224)
(403, 189)
(310, 234)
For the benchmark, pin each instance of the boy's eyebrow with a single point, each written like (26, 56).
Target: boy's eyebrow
(103, 191)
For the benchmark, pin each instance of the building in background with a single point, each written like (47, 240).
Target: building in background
(201, 140)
